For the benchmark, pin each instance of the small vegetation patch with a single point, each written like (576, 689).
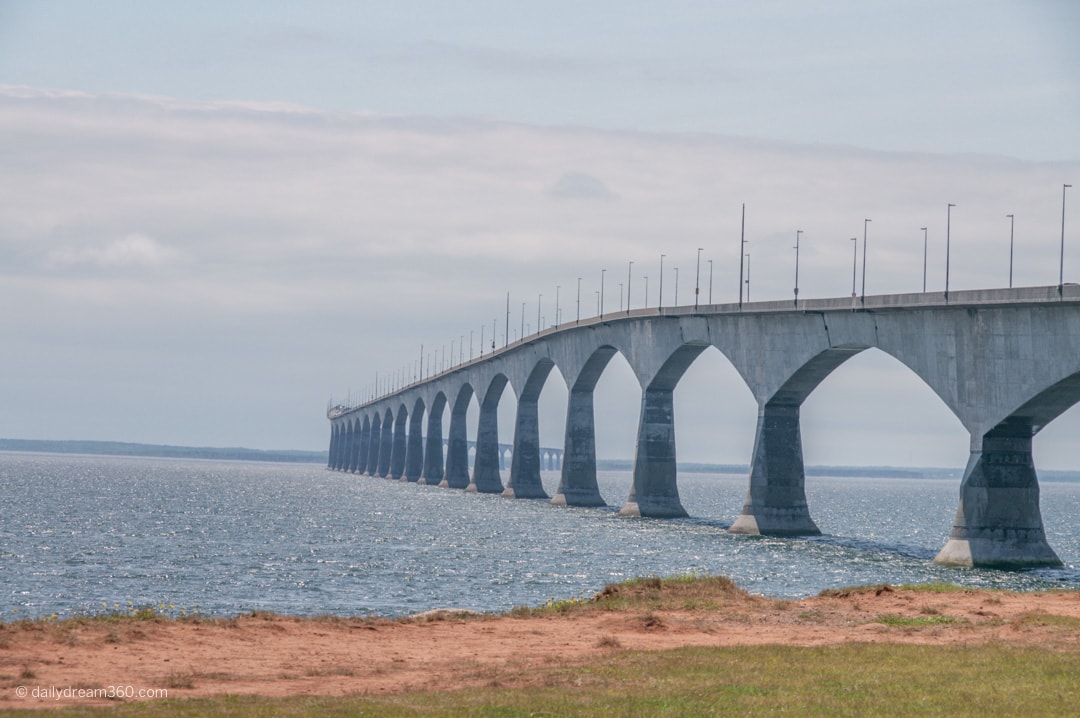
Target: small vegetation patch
(1038, 618)
(932, 620)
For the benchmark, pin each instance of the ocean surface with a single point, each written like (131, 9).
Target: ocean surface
(222, 538)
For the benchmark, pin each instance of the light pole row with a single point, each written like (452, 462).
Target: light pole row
(388, 383)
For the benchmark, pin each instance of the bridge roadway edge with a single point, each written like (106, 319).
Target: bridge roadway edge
(1006, 362)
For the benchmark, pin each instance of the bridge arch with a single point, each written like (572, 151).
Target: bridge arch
(457, 450)
(525, 463)
(486, 477)
(365, 445)
(375, 445)
(577, 480)
(432, 470)
(989, 355)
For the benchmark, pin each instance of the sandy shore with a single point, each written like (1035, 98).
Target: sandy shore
(275, 655)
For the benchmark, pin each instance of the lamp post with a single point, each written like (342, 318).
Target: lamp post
(646, 302)
(557, 286)
(601, 310)
(1061, 267)
(697, 279)
(710, 281)
(865, 223)
(924, 247)
(620, 296)
(676, 287)
(798, 234)
(578, 321)
(597, 293)
(742, 248)
(1012, 226)
(461, 350)
(948, 242)
(747, 277)
(629, 271)
(660, 304)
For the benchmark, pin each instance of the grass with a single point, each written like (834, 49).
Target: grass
(846, 680)
(851, 679)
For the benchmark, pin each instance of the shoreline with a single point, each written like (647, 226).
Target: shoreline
(276, 656)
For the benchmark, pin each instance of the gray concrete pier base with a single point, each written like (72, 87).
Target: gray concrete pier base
(414, 452)
(776, 499)
(524, 480)
(577, 487)
(655, 492)
(486, 478)
(457, 451)
(433, 453)
(998, 523)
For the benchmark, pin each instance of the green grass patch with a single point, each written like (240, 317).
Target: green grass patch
(845, 680)
(932, 620)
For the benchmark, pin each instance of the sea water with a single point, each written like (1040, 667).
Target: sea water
(82, 534)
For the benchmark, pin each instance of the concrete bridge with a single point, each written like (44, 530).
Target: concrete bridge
(1006, 362)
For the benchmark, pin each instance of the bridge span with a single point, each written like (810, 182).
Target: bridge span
(1006, 362)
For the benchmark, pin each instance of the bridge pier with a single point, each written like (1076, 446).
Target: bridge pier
(577, 487)
(373, 449)
(433, 453)
(998, 523)
(776, 499)
(524, 480)
(365, 447)
(655, 492)
(355, 444)
(486, 478)
(457, 449)
(399, 447)
(414, 452)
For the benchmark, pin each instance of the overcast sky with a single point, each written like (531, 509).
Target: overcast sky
(215, 217)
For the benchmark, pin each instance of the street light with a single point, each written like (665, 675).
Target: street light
(557, 286)
(948, 233)
(742, 248)
(646, 303)
(747, 277)
(660, 305)
(697, 279)
(798, 234)
(1061, 267)
(676, 287)
(601, 310)
(1012, 226)
(578, 301)
(629, 270)
(924, 246)
(864, 225)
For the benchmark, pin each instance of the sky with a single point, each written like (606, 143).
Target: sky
(216, 218)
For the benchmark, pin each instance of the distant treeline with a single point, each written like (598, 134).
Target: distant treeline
(122, 448)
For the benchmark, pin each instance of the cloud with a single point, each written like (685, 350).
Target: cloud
(578, 185)
(267, 256)
(134, 250)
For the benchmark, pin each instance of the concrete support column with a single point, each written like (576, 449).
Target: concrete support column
(373, 450)
(365, 450)
(433, 453)
(332, 454)
(776, 500)
(386, 448)
(655, 491)
(486, 478)
(399, 448)
(577, 487)
(457, 452)
(998, 523)
(414, 452)
(525, 463)
(354, 450)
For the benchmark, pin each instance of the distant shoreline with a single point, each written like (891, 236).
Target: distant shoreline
(122, 448)
(165, 451)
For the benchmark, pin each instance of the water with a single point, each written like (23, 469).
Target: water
(229, 537)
